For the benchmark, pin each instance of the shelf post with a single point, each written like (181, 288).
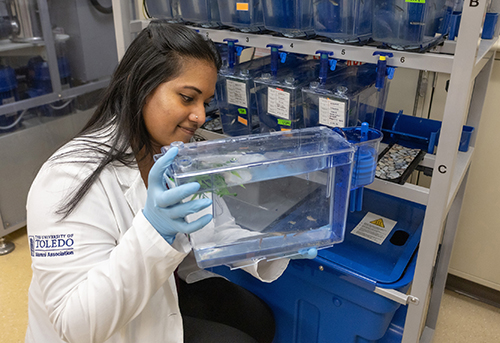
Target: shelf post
(454, 117)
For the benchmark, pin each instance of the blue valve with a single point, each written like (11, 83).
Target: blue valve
(275, 55)
(382, 68)
(231, 53)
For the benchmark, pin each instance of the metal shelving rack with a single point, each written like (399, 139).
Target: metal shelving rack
(469, 61)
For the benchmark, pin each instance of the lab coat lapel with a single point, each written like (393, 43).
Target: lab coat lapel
(132, 185)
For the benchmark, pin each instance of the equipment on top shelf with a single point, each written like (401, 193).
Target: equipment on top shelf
(244, 15)
(411, 25)
(344, 21)
(201, 12)
(292, 18)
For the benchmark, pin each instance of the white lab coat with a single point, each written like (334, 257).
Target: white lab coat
(104, 274)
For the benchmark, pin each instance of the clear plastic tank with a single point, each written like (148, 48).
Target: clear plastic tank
(279, 98)
(348, 98)
(273, 193)
(164, 9)
(344, 21)
(244, 15)
(405, 25)
(292, 18)
(201, 12)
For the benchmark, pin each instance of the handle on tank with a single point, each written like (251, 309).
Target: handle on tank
(382, 68)
(231, 51)
(275, 55)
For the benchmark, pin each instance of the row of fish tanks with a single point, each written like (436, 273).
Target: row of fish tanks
(414, 25)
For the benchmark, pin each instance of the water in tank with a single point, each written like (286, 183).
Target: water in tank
(244, 15)
(405, 25)
(292, 18)
(273, 193)
(163, 9)
(200, 12)
(344, 21)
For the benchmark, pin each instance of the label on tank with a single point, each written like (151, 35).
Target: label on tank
(278, 103)
(236, 93)
(331, 112)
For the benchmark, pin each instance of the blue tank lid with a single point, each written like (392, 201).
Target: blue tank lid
(8, 79)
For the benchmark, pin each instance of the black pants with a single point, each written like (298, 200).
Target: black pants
(216, 310)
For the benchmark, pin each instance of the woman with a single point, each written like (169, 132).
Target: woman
(106, 235)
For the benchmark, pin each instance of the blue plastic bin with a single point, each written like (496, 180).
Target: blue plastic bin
(330, 299)
(8, 94)
(420, 133)
(41, 84)
(490, 23)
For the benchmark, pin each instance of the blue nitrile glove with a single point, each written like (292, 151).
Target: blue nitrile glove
(164, 209)
(308, 253)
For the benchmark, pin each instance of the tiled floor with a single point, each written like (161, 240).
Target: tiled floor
(461, 319)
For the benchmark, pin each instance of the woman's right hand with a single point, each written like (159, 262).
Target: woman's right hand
(164, 208)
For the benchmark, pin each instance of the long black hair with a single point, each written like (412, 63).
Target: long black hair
(155, 56)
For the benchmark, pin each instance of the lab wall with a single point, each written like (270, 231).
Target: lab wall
(476, 252)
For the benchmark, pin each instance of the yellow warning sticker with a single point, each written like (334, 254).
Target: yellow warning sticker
(379, 222)
(242, 6)
(374, 227)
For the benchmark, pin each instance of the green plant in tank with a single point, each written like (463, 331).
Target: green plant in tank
(216, 182)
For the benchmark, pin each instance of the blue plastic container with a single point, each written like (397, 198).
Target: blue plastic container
(344, 21)
(8, 94)
(330, 299)
(201, 12)
(419, 133)
(367, 143)
(404, 25)
(490, 23)
(244, 15)
(41, 84)
(292, 18)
